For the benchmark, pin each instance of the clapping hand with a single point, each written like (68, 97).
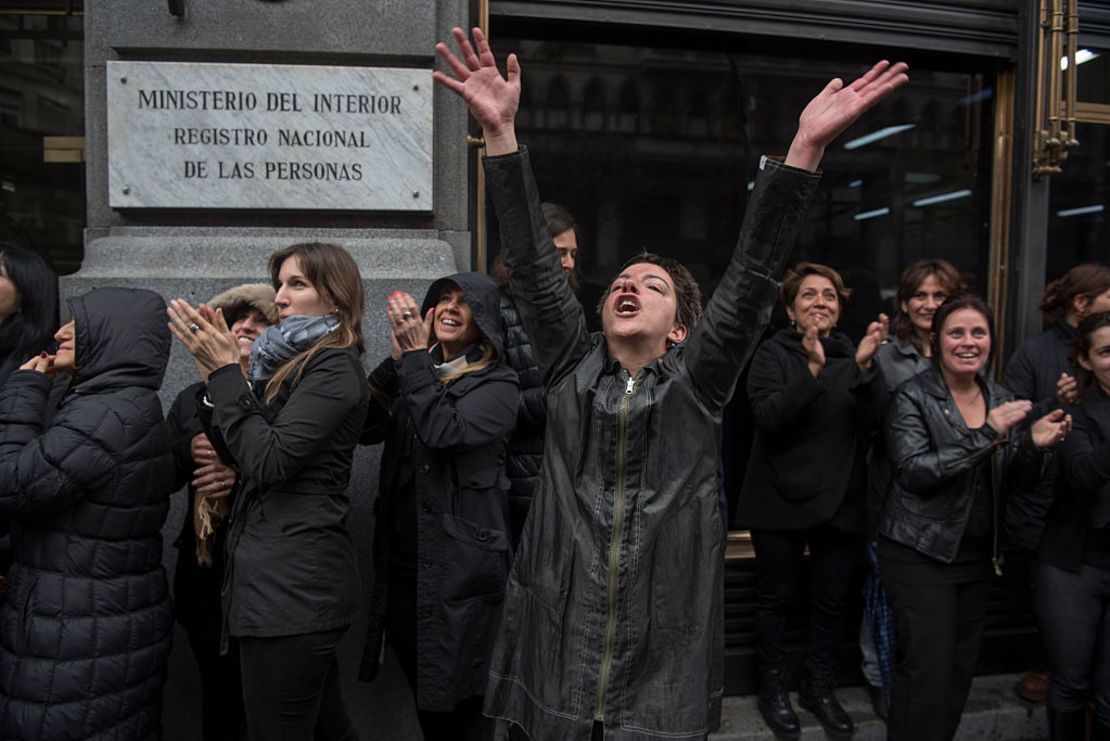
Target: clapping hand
(204, 334)
(1006, 415)
(876, 334)
(410, 332)
(1067, 389)
(815, 351)
(1051, 429)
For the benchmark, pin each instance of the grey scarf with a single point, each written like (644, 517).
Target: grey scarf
(281, 343)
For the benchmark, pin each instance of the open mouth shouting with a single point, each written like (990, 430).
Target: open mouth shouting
(626, 305)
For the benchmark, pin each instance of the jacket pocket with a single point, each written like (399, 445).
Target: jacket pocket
(476, 559)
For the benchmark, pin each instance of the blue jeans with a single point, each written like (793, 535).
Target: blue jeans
(1073, 610)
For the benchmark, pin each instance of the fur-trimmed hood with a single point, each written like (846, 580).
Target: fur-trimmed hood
(258, 296)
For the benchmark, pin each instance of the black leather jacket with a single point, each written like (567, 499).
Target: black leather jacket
(614, 605)
(936, 459)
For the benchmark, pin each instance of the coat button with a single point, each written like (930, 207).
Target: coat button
(426, 507)
(483, 534)
(425, 468)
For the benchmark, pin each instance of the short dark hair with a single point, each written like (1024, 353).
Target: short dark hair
(688, 309)
(560, 220)
(954, 304)
(792, 283)
(1081, 346)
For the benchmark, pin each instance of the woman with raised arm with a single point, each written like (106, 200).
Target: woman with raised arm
(957, 445)
(804, 488)
(612, 624)
(291, 583)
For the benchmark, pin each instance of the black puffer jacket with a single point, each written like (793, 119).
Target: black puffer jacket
(291, 561)
(1032, 374)
(936, 459)
(806, 463)
(445, 449)
(526, 444)
(85, 629)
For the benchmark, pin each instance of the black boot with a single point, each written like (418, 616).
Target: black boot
(774, 703)
(818, 698)
(1067, 726)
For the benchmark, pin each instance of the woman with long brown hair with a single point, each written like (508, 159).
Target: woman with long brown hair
(291, 584)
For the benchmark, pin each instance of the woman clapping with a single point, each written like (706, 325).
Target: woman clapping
(291, 584)
(445, 407)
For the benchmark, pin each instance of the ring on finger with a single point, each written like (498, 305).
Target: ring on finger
(194, 327)
(406, 314)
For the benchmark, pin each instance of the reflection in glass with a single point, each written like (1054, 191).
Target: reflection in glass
(1079, 204)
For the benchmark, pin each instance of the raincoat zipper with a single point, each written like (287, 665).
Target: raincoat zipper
(615, 549)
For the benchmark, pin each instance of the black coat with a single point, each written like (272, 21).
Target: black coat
(1032, 374)
(526, 444)
(196, 588)
(805, 468)
(85, 629)
(446, 447)
(291, 561)
(936, 460)
(1082, 501)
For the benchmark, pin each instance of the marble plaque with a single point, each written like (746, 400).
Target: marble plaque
(265, 136)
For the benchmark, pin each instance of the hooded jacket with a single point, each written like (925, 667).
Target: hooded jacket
(85, 627)
(806, 463)
(614, 606)
(444, 458)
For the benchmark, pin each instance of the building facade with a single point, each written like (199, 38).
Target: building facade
(646, 120)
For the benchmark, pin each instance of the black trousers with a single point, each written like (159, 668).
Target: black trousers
(221, 690)
(465, 722)
(1073, 610)
(779, 560)
(939, 610)
(291, 688)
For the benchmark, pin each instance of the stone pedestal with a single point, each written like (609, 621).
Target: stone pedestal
(198, 252)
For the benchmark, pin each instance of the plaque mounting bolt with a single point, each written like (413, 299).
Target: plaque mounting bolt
(416, 194)
(123, 80)
(415, 87)
(126, 189)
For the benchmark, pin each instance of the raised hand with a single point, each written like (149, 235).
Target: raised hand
(876, 334)
(837, 107)
(815, 351)
(1006, 415)
(492, 99)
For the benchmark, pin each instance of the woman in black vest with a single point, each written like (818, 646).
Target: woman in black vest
(445, 407)
(291, 584)
(804, 486)
(1072, 594)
